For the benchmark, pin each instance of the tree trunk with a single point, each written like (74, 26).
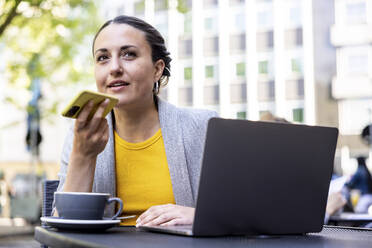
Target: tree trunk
(13, 13)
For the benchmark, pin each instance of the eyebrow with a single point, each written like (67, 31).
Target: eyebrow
(121, 49)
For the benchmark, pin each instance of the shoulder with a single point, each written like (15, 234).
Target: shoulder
(197, 116)
(187, 116)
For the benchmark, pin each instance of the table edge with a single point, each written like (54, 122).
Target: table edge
(349, 227)
(54, 239)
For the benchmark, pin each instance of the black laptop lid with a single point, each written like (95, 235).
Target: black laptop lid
(264, 178)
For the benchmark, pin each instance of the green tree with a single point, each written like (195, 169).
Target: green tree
(49, 40)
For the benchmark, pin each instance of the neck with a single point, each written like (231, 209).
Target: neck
(137, 124)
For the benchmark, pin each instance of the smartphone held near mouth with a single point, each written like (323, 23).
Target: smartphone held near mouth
(76, 105)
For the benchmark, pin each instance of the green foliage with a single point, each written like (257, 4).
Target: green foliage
(182, 6)
(49, 40)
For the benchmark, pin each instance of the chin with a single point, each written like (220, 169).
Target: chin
(124, 101)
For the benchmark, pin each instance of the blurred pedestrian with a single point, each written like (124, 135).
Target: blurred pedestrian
(362, 182)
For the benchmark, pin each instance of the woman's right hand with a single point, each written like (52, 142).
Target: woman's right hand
(90, 138)
(90, 135)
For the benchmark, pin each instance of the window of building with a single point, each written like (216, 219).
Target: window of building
(354, 60)
(187, 25)
(296, 65)
(210, 3)
(293, 38)
(354, 115)
(263, 67)
(189, 4)
(185, 96)
(240, 69)
(209, 71)
(240, 21)
(266, 91)
(298, 114)
(210, 46)
(357, 64)
(294, 89)
(208, 23)
(295, 15)
(187, 73)
(211, 94)
(236, 2)
(185, 48)
(241, 115)
(265, 41)
(211, 24)
(237, 43)
(184, 6)
(238, 93)
(161, 5)
(356, 13)
(264, 19)
(162, 27)
(120, 10)
(139, 7)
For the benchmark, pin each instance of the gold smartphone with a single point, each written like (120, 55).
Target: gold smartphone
(77, 104)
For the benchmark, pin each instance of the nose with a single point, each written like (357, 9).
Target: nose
(116, 68)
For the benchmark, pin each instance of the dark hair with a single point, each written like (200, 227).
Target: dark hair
(153, 37)
(361, 160)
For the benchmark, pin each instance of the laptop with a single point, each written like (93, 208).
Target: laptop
(261, 178)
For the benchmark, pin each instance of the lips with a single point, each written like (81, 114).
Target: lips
(117, 83)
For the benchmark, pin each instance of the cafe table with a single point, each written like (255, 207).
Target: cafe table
(329, 237)
(350, 219)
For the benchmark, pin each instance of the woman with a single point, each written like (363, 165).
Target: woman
(147, 151)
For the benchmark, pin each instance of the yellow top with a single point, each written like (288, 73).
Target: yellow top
(142, 175)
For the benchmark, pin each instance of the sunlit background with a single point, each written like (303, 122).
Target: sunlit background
(303, 60)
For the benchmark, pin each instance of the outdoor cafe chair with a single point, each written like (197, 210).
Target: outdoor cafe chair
(49, 187)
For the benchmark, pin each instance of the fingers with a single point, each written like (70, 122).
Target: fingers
(91, 135)
(151, 214)
(166, 215)
(98, 115)
(163, 218)
(82, 118)
(174, 222)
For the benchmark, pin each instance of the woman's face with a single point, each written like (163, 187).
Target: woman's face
(124, 66)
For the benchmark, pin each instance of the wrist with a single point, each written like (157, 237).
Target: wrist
(83, 159)
(80, 173)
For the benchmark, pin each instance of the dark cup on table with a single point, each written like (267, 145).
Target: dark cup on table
(84, 205)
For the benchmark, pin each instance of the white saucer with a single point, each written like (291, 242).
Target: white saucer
(79, 224)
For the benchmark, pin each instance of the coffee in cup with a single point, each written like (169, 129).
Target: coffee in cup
(84, 205)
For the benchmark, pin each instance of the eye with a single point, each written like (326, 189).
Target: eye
(129, 54)
(101, 58)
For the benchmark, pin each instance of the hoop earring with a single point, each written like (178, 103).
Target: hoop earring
(166, 68)
(155, 90)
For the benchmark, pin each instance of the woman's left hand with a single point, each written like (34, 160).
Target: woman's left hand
(166, 215)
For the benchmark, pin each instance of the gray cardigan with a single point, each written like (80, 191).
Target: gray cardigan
(183, 133)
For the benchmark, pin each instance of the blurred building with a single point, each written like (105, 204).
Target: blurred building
(352, 84)
(245, 58)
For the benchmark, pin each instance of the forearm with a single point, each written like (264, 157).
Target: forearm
(80, 173)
